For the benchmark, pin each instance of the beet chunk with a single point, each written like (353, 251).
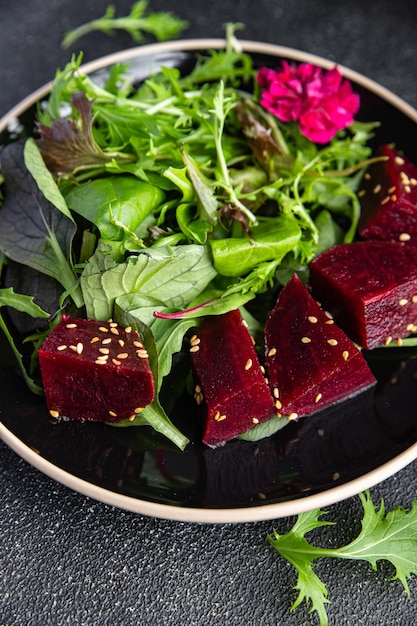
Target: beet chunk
(370, 287)
(310, 362)
(389, 199)
(95, 371)
(230, 384)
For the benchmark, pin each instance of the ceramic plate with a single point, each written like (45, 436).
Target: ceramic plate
(313, 463)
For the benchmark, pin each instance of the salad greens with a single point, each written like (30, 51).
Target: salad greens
(162, 25)
(384, 536)
(170, 200)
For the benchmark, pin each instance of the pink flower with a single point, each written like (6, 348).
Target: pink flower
(321, 102)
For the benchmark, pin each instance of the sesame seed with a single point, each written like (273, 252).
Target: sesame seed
(103, 329)
(245, 324)
(388, 340)
(138, 344)
(218, 417)
(272, 352)
(278, 404)
(122, 355)
(392, 189)
(345, 355)
(329, 322)
(404, 237)
(54, 413)
(407, 188)
(305, 340)
(121, 343)
(112, 413)
(106, 341)
(336, 476)
(399, 160)
(138, 409)
(332, 342)
(399, 341)
(292, 416)
(128, 329)
(248, 364)
(131, 418)
(275, 392)
(104, 350)
(79, 348)
(192, 349)
(197, 388)
(367, 176)
(318, 397)
(73, 348)
(194, 341)
(193, 338)
(252, 340)
(312, 319)
(262, 369)
(414, 299)
(116, 362)
(403, 301)
(410, 327)
(413, 181)
(385, 200)
(376, 189)
(100, 362)
(320, 432)
(255, 420)
(71, 325)
(142, 354)
(361, 193)
(63, 347)
(112, 324)
(394, 198)
(95, 339)
(329, 315)
(114, 330)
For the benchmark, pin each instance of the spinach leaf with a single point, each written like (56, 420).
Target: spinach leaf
(33, 231)
(116, 205)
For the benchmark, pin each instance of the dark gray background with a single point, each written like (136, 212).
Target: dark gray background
(65, 559)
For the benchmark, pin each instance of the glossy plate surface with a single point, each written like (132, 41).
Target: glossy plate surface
(313, 463)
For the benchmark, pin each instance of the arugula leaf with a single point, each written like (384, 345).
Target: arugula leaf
(25, 304)
(162, 25)
(33, 231)
(384, 536)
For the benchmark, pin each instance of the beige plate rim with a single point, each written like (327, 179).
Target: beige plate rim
(212, 515)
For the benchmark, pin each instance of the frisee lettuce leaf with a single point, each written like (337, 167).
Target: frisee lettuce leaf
(389, 536)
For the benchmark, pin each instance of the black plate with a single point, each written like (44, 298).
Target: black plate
(317, 461)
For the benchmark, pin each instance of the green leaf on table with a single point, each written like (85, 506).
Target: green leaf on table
(384, 536)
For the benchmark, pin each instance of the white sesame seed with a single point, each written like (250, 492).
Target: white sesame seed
(388, 340)
(272, 352)
(414, 299)
(292, 416)
(403, 301)
(95, 339)
(275, 392)
(112, 413)
(312, 319)
(278, 404)
(138, 409)
(399, 160)
(72, 325)
(103, 329)
(318, 397)
(104, 350)
(332, 342)
(255, 420)
(128, 329)
(305, 340)
(385, 200)
(114, 330)
(122, 355)
(404, 237)
(63, 347)
(377, 189)
(248, 364)
(79, 348)
(106, 341)
(116, 362)
(192, 349)
(345, 355)
(54, 413)
(142, 354)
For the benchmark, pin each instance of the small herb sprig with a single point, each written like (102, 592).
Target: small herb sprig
(162, 25)
(384, 536)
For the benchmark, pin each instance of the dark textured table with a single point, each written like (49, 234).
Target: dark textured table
(66, 559)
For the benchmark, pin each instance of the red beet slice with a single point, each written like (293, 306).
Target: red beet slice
(389, 199)
(310, 362)
(95, 371)
(230, 384)
(370, 287)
